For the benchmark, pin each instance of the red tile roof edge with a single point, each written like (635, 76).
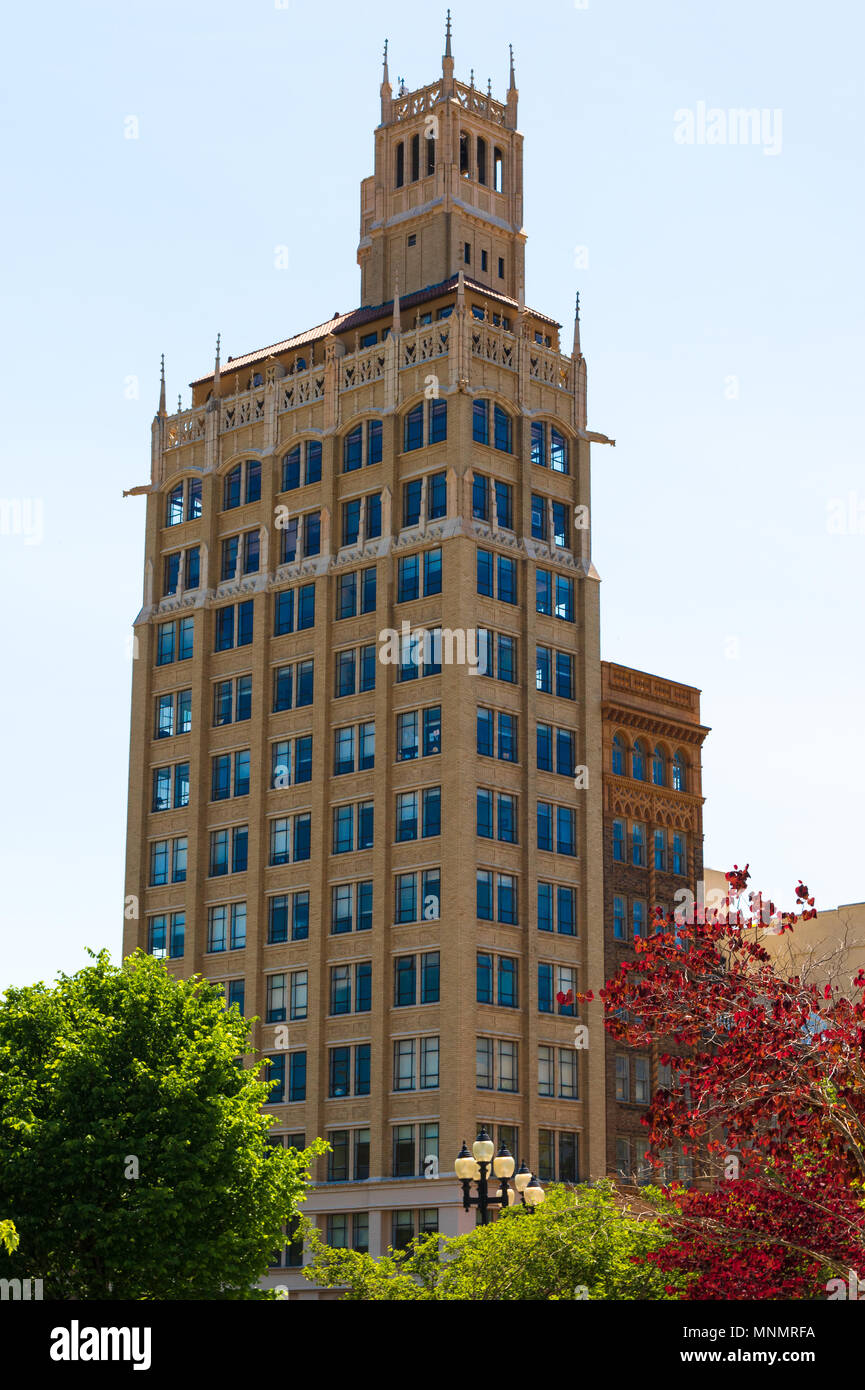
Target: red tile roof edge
(342, 323)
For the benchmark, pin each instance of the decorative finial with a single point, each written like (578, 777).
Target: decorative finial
(489, 86)
(396, 320)
(471, 77)
(162, 367)
(402, 87)
(513, 85)
(162, 384)
(578, 350)
(448, 53)
(578, 304)
(218, 340)
(179, 404)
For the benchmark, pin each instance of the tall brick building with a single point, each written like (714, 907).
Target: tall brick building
(653, 848)
(365, 788)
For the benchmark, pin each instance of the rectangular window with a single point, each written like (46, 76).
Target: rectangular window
(504, 506)
(432, 572)
(276, 999)
(429, 1063)
(543, 591)
(484, 895)
(506, 893)
(546, 1072)
(481, 497)
(506, 579)
(485, 573)
(404, 1077)
(484, 1064)
(408, 578)
(411, 500)
(508, 1066)
(484, 979)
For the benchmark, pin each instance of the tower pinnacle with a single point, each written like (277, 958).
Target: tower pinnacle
(386, 90)
(513, 94)
(448, 61)
(161, 410)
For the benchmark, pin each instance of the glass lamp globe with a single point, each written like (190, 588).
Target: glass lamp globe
(534, 1193)
(522, 1178)
(464, 1166)
(483, 1148)
(503, 1163)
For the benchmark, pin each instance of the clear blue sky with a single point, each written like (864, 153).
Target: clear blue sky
(706, 263)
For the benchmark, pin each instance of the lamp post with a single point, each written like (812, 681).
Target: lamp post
(479, 1164)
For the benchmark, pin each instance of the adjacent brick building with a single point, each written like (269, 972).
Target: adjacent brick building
(653, 849)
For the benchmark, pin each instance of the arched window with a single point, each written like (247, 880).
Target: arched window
(659, 768)
(309, 451)
(502, 433)
(679, 778)
(482, 160)
(618, 755)
(415, 158)
(425, 423)
(430, 154)
(498, 168)
(638, 761)
(400, 164)
(464, 156)
(231, 488)
(257, 380)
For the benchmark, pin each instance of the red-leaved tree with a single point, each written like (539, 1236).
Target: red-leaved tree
(769, 1099)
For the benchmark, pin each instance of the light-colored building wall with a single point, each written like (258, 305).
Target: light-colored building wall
(828, 949)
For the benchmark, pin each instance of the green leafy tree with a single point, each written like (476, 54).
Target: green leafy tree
(580, 1243)
(133, 1151)
(8, 1236)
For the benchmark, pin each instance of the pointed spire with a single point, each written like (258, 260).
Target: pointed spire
(161, 410)
(513, 95)
(577, 349)
(216, 366)
(386, 90)
(448, 62)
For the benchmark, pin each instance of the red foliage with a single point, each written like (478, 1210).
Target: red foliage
(770, 1082)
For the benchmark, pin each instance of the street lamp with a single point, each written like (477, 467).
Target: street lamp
(479, 1165)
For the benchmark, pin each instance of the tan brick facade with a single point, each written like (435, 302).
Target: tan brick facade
(448, 333)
